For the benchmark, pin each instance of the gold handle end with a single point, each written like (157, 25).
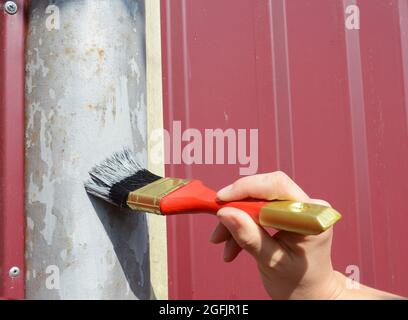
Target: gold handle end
(299, 217)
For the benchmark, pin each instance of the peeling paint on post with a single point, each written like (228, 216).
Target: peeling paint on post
(85, 98)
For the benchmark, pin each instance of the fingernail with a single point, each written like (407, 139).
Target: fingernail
(225, 257)
(224, 191)
(220, 213)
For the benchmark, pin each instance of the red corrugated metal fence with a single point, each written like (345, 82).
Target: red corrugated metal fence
(330, 105)
(12, 152)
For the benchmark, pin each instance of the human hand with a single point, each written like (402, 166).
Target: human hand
(291, 266)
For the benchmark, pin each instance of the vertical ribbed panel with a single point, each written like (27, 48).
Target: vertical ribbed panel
(331, 108)
(12, 37)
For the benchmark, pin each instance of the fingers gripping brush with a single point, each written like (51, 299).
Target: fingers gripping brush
(121, 181)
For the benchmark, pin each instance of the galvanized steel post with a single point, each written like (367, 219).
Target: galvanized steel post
(85, 98)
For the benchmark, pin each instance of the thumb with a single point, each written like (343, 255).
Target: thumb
(249, 235)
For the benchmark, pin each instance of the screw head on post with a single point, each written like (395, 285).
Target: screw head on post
(14, 272)
(10, 7)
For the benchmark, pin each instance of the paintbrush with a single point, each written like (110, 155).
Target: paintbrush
(122, 181)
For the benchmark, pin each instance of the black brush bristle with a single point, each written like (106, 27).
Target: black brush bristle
(132, 183)
(117, 176)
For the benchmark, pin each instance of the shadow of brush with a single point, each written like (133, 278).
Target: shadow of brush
(129, 234)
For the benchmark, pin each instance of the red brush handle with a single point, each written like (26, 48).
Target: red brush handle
(195, 197)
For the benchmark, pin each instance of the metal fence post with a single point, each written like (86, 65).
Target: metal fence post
(85, 98)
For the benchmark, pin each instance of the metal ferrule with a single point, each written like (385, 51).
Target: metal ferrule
(299, 217)
(148, 198)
